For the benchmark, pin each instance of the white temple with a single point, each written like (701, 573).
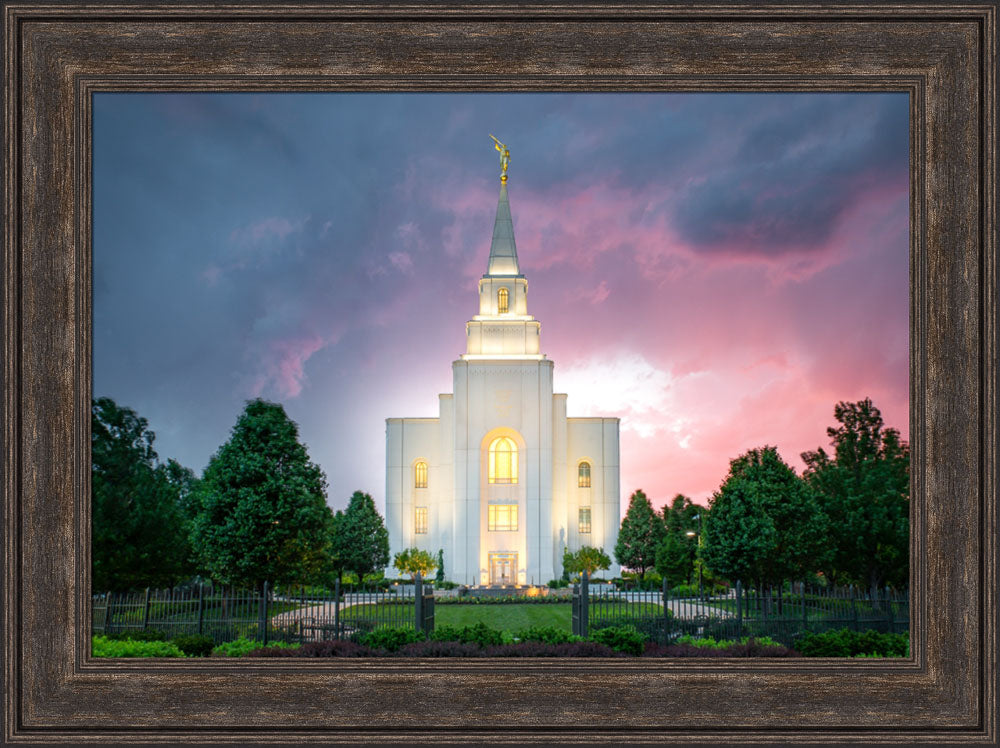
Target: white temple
(502, 480)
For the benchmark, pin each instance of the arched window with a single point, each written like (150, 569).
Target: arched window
(420, 475)
(503, 461)
(583, 475)
(502, 305)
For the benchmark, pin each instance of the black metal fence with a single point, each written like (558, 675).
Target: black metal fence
(782, 614)
(290, 614)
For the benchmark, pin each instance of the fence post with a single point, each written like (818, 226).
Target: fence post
(584, 604)
(336, 608)
(418, 601)
(145, 610)
(666, 611)
(739, 609)
(805, 618)
(262, 608)
(888, 605)
(107, 613)
(201, 608)
(854, 611)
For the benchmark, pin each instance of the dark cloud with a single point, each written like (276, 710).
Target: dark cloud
(794, 174)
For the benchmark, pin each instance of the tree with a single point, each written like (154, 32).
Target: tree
(414, 561)
(587, 559)
(262, 513)
(362, 542)
(139, 534)
(439, 578)
(764, 524)
(675, 558)
(640, 534)
(864, 488)
(676, 553)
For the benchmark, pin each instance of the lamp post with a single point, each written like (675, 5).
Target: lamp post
(692, 534)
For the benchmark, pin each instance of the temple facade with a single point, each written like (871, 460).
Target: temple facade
(502, 480)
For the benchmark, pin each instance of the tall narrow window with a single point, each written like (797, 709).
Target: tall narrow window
(584, 519)
(420, 475)
(420, 521)
(503, 461)
(502, 305)
(583, 475)
(502, 518)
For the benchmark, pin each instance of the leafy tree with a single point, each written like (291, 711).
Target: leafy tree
(362, 542)
(676, 553)
(675, 558)
(414, 561)
(641, 532)
(262, 504)
(864, 488)
(764, 524)
(439, 577)
(587, 559)
(139, 534)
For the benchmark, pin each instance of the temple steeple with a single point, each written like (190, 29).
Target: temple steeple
(503, 250)
(503, 328)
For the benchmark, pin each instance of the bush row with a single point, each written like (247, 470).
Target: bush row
(847, 643)
(480, 640)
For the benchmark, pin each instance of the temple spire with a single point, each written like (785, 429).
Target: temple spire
(503, 250)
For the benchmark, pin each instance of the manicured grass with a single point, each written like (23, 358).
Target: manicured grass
(507, 617)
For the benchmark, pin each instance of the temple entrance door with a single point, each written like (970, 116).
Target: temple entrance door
(503, 568)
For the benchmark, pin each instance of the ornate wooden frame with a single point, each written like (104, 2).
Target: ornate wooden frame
(57, 55)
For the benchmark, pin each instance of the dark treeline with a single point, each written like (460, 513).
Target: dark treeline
(257, 514)
(844, 521)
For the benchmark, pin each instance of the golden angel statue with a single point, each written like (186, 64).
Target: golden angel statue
(504, 158)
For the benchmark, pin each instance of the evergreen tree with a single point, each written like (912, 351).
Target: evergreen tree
(764, 524)
(864, 488)
(262, 513)
(439, 577)
(139, 535)
(362, 542)
(640, 535)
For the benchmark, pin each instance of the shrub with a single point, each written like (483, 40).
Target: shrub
(847, 643)
(547, 635)
(242, 647)
(434, 648)
(580, 648)
(319, 649)
(194, 645)
(389, 638)
(558, 584)
(446, 585)
(748, 649)
(709, 642)
(622, 639)
(103, 647)
(139, 635)
(479, 633)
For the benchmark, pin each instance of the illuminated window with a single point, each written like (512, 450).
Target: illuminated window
(583, 476)
(503, 461)
(420, 521)
(584, 519)
(502, 301)
(502, 518)
(420, 475)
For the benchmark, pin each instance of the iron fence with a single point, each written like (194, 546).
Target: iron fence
(782, 614)
(289, 614)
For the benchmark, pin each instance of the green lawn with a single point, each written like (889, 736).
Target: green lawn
(506, 617)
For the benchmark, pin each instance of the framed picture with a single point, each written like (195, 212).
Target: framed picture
(59, 58)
